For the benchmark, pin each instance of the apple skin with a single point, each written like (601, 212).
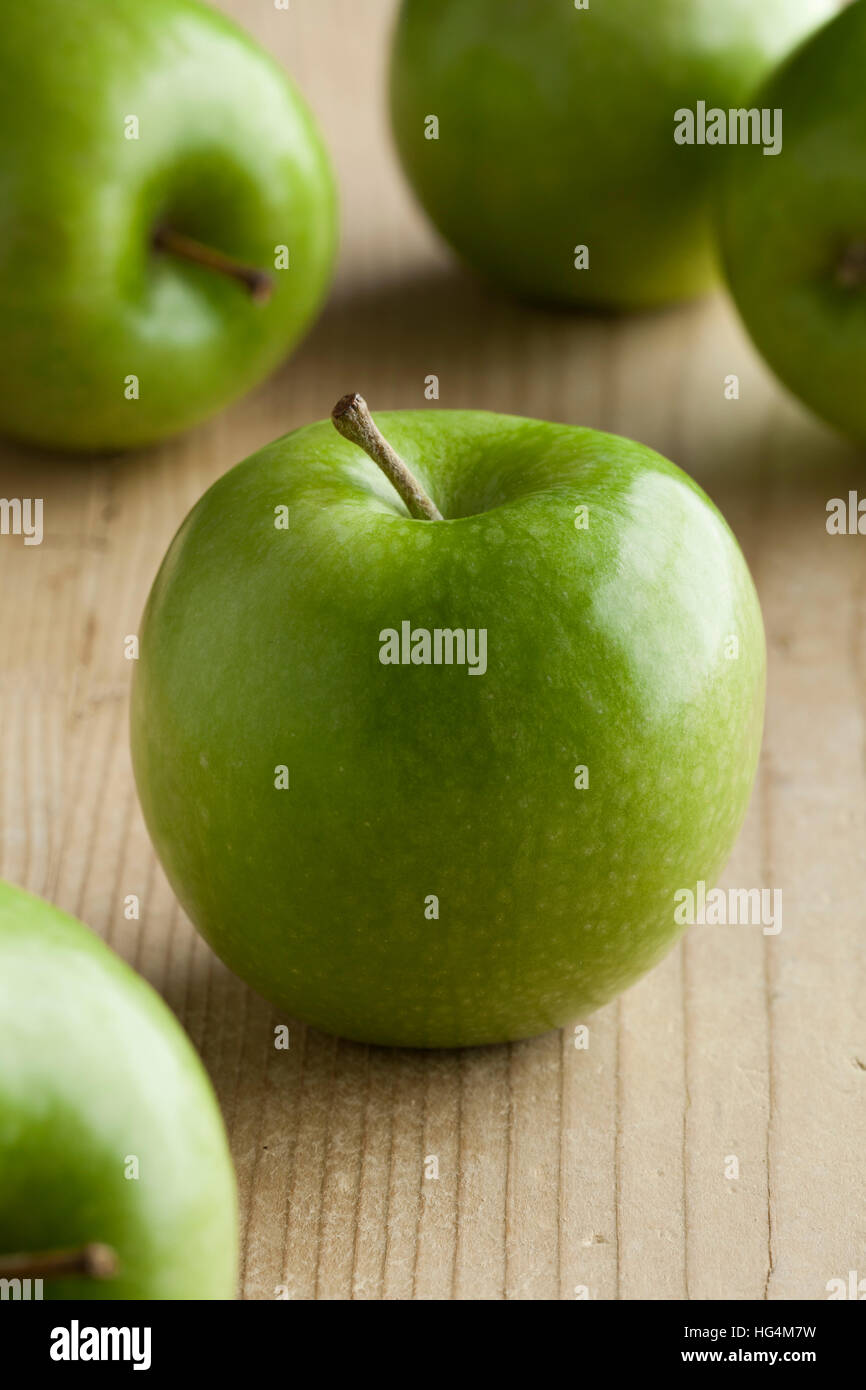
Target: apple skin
(557, 130)
(227, 154)
(787, 225)
(259, 647)
(96, 1068)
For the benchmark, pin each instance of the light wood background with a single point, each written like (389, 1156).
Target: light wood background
(558, 1168)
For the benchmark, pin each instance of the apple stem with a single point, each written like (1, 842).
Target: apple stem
(93, 1261)
(352, 419)
(258, 284)
(851, 267)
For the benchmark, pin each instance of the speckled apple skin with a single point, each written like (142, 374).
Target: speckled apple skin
(607, 648)
(97, 1072)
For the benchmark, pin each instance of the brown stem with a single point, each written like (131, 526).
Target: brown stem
(851, 266)
(352, 419)
(92, 1261)
(258, 284)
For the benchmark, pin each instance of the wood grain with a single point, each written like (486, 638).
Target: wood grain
(560, 1169)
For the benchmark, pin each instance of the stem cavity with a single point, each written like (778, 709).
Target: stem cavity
(257, 283)
(851, 266)
(352, 419)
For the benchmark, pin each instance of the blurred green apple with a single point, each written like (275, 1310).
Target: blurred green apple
(153, 161)
(556, 132)
(426, 764)
(115, 1175)
(793, 229)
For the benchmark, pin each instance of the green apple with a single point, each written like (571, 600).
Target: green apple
(793, 229)
(158, 171)
(115, 1175)
(404, 850)
(556, 132)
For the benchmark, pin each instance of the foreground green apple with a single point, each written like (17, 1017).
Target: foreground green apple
(153, 161)
(115, 1176)
(556, 131)
(402, 850)
(793, 229)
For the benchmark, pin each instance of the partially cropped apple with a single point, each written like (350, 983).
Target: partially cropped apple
(539, 134)
(115, 1175)
(168, 219)
(793, 229)
(427, 748)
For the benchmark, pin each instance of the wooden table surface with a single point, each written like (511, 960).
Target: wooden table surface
(560, 1170)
